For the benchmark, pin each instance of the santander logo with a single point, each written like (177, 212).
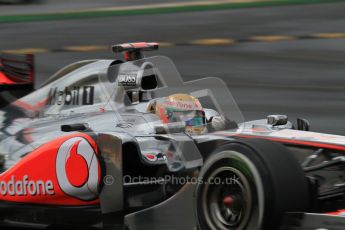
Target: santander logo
(77, 169)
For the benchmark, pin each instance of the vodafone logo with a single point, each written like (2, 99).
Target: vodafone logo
(77, 169)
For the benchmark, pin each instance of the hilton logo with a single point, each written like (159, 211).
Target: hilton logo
(72, 96)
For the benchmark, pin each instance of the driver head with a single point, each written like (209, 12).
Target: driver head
(181, 108)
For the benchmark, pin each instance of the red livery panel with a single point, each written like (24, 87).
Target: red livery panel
(66, 170)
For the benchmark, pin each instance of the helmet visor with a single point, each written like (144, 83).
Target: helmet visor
(190, 117)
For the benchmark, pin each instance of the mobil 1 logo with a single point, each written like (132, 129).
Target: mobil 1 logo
(76, 95)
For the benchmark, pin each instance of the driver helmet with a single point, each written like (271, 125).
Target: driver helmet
(181, 108)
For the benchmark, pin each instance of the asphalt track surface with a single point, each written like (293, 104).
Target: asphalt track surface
(300, 78)
(47, 6)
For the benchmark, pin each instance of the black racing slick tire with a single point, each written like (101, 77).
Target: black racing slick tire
(249, 185)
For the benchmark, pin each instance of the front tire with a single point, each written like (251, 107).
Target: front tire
(250, 184)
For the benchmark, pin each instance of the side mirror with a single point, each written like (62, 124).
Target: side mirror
(74, 127)
(303, 124)
(277, 120)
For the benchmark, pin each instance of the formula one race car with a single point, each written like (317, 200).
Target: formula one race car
(16, 77)
(128, 145)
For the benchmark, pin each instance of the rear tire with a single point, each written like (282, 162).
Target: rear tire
(267, 181)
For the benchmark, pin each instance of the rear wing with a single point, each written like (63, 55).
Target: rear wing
(19, 69)
(16, 77)
(133, 51)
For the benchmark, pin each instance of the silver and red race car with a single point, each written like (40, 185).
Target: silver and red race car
(128, 145)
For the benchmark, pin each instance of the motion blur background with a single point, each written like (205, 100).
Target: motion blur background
(277, 57)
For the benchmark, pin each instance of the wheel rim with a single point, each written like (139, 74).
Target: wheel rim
(227, 199)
